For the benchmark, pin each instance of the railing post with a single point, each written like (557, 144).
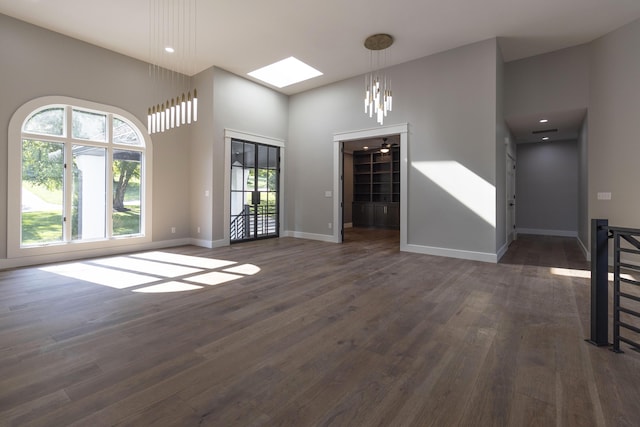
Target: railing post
(616, 293)
(599, 282)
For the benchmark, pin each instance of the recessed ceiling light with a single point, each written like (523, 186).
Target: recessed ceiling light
(546, 138)
(169, 49)
(544, 120)
(286, 72)
(365, 148)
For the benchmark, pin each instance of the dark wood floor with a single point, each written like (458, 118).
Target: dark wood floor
(357, 334)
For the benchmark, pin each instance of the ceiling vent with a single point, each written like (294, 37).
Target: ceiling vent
(544, 131)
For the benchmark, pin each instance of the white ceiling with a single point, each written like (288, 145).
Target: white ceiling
(243, 35)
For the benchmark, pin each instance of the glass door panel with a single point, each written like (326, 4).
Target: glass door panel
(254, 190)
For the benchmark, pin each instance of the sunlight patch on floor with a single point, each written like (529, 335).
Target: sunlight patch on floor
(583, 274)
(213, 278)
(185, 260)
(104, 276)
(188, 273)
(168, 287)
(246, 269)
(149, 267)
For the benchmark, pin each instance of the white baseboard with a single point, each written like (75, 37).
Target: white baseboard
(585, 251)
(541, 232)
(209, 244)
(93, 253)
(310, 236)
(452, 253)
(502, 251)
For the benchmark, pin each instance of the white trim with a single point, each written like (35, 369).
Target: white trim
(252, 137)
(503, 250)
(453, 253)
(230, 134)
(370, 133)
(541, 232)
(403, 130)
(93, 253)
(310, 236)
(209, 244)
(585, 251)
(14, 194)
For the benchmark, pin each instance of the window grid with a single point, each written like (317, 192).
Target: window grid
(69, 141)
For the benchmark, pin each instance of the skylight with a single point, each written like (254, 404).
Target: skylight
(286, 72)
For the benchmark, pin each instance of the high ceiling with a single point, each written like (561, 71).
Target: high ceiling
(241, 36)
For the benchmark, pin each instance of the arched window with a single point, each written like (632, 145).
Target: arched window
(79, 175)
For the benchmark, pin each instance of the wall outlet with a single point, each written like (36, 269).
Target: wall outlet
(330, 225)
(173, 229)
(604, 196)
(198, 229)
(206, 193)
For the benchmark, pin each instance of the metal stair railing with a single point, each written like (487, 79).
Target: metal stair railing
(601, 232)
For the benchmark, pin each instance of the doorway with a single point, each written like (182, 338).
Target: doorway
(344, 140)
(255, 181)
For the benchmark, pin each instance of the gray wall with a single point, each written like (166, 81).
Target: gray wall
(37, 62)
(449, 101)
(501, 155)
(547, 187)
(555, 81)
(583, 185)
(241, 105)
(202, 157)
(614, 126)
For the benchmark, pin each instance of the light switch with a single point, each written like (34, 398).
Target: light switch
(604, 196)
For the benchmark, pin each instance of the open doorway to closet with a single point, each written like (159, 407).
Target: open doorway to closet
(385, 188)
(371, 187)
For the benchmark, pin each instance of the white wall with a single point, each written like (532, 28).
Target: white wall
(547, 188)
(449, 101)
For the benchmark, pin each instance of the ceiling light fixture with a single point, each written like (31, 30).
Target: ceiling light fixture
(378, 98)
(172, 27)
(546, 138)
(385, 147)
(544, 120)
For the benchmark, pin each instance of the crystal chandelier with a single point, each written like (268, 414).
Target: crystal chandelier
(172, 48)
(378, 98)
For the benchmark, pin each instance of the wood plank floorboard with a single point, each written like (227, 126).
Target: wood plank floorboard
(293, 332)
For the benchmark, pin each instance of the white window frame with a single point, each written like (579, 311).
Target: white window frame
(14, 178)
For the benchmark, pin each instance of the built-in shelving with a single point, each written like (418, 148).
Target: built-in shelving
(376, 188)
